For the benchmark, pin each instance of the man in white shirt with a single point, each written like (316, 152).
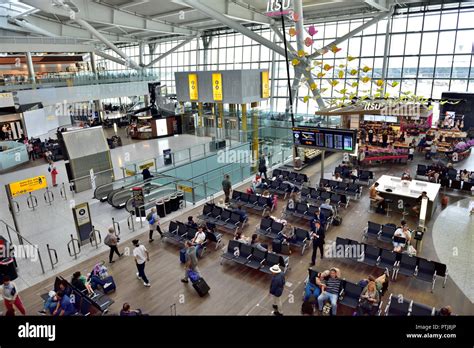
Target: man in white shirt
(141, 257)
(199, 239)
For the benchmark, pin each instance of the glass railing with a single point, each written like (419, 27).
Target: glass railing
(79, 79)
(12, 154)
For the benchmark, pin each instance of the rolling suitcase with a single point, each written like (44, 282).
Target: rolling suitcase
(182, 255)
(201, 287)
(276, 246)
(111, 287)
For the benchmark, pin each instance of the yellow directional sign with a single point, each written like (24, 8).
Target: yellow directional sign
(217, 86)
(28, 185)
(185, 188)
(193, 86)
(265, 85)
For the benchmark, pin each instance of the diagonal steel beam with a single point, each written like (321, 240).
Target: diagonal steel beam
(350, 34)
(112, 58)
(175, 48)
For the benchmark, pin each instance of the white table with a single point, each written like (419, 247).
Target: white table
(408, 192)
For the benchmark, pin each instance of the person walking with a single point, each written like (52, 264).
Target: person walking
(11, 298)
(54, 173)
(226, 187)
(154, 223)
(191, 261)
(31, 153)
(262, 166)
(111, 240)
(141, 257)
(276, 288)
(317, 236)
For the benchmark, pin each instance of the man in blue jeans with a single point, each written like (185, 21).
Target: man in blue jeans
(330, 291)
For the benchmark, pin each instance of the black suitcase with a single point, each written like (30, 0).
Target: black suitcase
(111, 287)
(201, 287)
(276, 246)
(337, 220)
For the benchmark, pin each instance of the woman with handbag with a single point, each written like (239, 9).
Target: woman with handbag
(369, 300)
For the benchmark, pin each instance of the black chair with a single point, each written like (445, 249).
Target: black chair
(354, 190)
(223, 218)
(305, 192)
(206, 211)
(215, 215)
(421, 170)
(276, 172)
(341, 188)
(426, 271)
(407, 265)
(275, 230)
(244, 198)
(388, 259)
(244, 254)
(466, 186)
(387, 232)
(452, 174)
(323, 182)
(371, 255)
(301, 239)
(444, 182)
(233, 223)
(235, 197)
(271, 260)
(310, 212)
(253, 199)
(229, 254)
(262, 204)
(398, 306)
(257, 259)
(441, 271)
(172, 229)
(300, 210)
(350, 294)
(335, 199)
(456, 184)
(265, 226)
(419, 309)
(292, 176)
(372, 231)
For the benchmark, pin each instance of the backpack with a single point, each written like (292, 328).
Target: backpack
(107, 240)
(151, 219)
(337, 220)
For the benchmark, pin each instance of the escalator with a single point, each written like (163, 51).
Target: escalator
(103, 191)
(119, 197)
(165, 194)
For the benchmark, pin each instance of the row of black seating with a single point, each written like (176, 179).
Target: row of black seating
(281, 188)
(272, 229)
(223, 219)
(247, 255)
(401, 306)
(306, 211)
(396, 263)
(97, 304)
(340, 187)
(318, 196)
(447, 179)
(179, 232)
(384, 233)
(254, 202)
(297, 178)
(349, 295)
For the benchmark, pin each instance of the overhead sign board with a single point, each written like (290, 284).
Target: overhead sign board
(28, 185)
(217, 86)
(342, 140)
(193, 87)
(265, 85)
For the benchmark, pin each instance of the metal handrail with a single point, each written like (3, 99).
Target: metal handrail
(32, 201)
(62, 192)
(93, 237)
(131, 222)
(71, 242)
(21, 239)
(48, 196)
(116, 226)
(50, 257)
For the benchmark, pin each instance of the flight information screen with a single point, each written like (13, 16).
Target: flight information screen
(326, 138)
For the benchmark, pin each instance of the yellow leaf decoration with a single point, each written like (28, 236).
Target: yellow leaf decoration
(313, 86)
(341, 74)
(317, 62)
(353, 72)
(350, 58)
(301, 53)
(327, 67)
(365, 79)
(366, 69)
(395, 83)
(334, 83)
(335, 49)
(379, 83)
(292, 32)
(343, 91)
(386, 95)
(355, 84)
(342, 66)
(442, 102)
(306, 99)
(321, 75)
(322, 90)
(308, 68)
(295, 61)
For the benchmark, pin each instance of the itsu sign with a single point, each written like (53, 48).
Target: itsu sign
(279, 7)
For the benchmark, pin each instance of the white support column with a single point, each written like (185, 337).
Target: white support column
(141, 54)
(31, 70)
(273, 77)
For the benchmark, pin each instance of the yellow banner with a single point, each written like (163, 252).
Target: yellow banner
(130, 172)
(28, 185)
(217, 86)
(193, 86)
(147, 165)
(185, 188)
(265, 85)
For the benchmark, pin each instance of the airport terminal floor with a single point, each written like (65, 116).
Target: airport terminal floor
(251, 163)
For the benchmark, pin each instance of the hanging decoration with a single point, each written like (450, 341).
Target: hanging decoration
(312, 30)
(308, 42)
(292, 32)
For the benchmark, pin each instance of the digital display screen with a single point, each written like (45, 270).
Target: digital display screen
(326, 138)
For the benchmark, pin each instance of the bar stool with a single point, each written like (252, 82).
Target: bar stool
(388, 209)
(373, 205)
